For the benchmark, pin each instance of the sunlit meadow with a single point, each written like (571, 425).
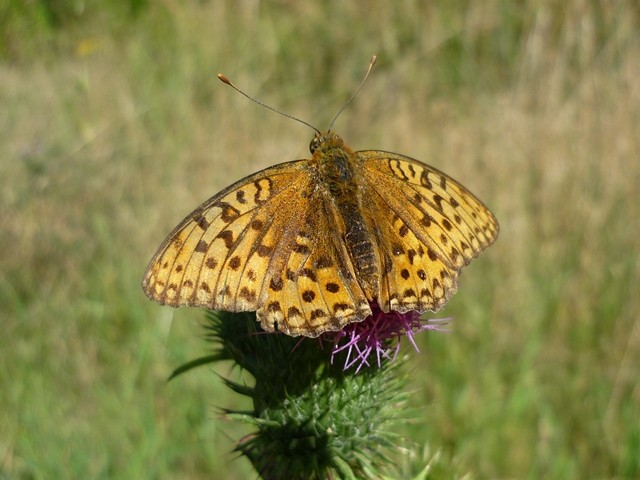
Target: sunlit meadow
(113, 127)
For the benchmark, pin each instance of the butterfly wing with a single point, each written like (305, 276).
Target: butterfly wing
(317, 290)
(437, 226)
(262, 244)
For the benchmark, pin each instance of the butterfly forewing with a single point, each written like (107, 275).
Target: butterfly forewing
(443, 213)
(204, 260)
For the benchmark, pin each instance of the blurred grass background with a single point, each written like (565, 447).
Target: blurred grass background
(113, 127)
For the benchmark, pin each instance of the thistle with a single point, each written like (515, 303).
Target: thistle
(317, 412)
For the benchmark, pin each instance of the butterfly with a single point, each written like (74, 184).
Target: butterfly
(312, 244)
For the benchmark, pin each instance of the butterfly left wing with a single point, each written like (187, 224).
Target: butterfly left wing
(317, 290)
(266, 243)
(437, 226)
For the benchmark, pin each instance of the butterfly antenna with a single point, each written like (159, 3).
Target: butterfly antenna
(224, 79)
(371, 64)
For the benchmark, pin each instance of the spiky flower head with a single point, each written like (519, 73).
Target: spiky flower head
(378, 336)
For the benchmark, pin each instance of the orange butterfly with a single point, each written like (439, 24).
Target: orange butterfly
(311, 244)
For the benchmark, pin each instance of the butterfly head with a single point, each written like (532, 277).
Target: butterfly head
(325, 141)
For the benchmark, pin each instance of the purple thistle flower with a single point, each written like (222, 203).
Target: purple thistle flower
(379, 333)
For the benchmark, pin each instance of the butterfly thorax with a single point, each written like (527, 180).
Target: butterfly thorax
(338, 175)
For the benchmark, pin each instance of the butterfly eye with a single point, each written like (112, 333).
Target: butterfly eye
(315, 143)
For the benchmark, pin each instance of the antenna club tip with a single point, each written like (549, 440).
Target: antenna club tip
(223, 78)
(374, 58)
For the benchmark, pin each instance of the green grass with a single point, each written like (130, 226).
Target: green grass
(113, 127)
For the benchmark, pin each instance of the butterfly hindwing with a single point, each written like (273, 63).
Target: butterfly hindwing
(413, 276)
(316, 288)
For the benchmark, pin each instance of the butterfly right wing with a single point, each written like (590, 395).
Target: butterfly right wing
(262, 244)
(434, 228)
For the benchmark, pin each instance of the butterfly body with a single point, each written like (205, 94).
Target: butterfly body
(311, 244)
(338, 167)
